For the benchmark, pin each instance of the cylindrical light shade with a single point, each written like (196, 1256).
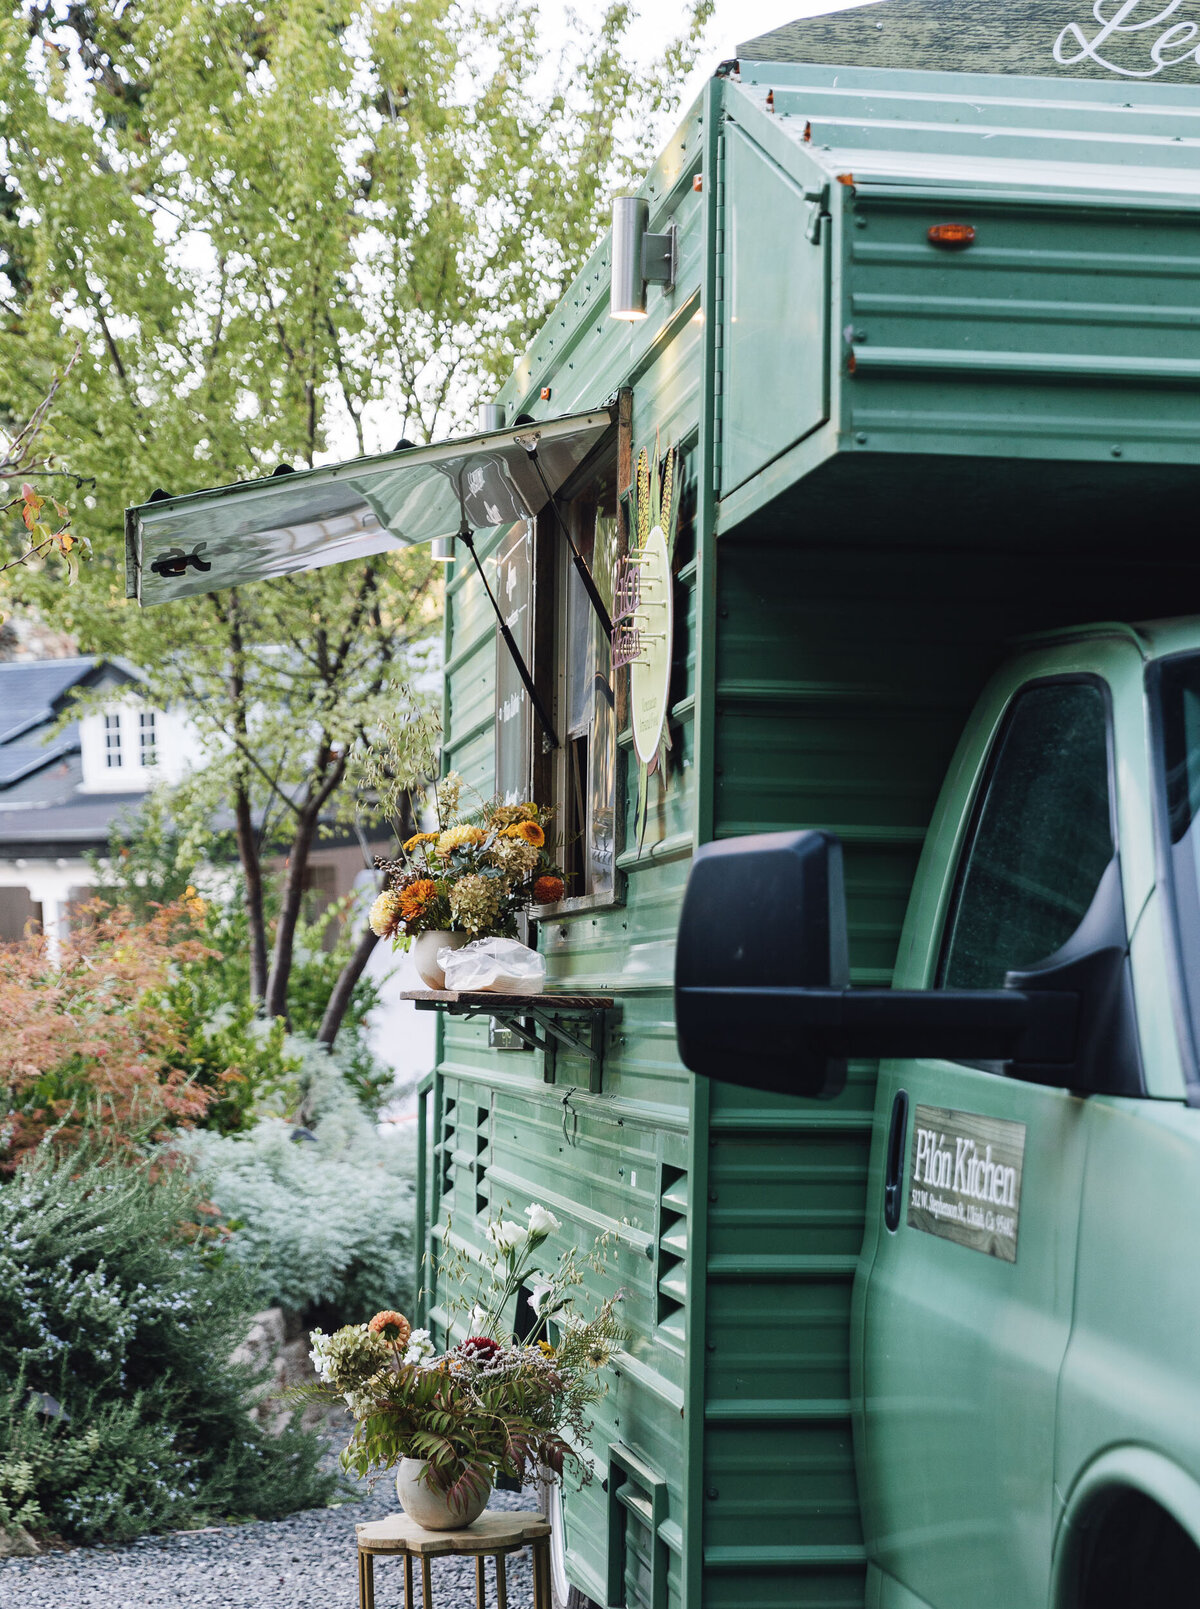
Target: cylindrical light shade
(631, 219)
(442, 549)
(491, 416)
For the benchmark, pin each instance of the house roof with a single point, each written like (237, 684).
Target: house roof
(1047, 39)
(34, 694)
(42, 810)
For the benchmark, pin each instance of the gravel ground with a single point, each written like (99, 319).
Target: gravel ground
(303, 1562)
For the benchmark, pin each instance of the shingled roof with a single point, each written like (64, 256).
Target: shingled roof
(42, 811)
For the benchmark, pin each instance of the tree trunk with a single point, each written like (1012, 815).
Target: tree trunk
(289, 913)
(247, 847)
(339, 1000)
(247, 843)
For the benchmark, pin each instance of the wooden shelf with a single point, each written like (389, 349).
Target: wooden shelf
(575, 1023)
(476, 999)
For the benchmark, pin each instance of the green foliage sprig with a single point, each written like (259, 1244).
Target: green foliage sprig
(119, 1410)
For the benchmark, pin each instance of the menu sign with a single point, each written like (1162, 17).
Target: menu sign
(1120, 40)
(965, 1179)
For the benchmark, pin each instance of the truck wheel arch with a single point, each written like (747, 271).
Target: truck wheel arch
(1119, 1480)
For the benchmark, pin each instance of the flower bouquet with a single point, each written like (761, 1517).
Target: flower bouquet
(493, 1404)
(467, 882)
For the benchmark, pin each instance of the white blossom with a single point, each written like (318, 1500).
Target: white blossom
(507, 1237)
(539, 1289)
(541, 1220)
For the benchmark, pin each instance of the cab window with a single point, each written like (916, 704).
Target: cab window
(1041, 838)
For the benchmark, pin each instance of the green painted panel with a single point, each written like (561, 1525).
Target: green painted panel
(1060, 332)
(776, 312)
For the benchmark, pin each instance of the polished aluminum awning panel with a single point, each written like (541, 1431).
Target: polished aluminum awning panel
(285, 524)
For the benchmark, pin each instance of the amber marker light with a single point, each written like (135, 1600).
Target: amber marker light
(952, 236)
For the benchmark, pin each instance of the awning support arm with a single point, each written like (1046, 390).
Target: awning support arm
(467, 537)
(585, 575)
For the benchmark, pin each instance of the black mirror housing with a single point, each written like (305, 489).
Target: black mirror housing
(762, 912)
(762, 994)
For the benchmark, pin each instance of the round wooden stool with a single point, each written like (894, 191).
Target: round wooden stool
(495, 1532)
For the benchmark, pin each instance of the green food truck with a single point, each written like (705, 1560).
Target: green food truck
(871, 1037)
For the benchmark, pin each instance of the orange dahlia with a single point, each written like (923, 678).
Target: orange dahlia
(416, 897)
(394, 1328)
(548, 890)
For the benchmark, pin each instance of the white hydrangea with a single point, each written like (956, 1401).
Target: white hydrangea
(319, 1356)
(420, 1347)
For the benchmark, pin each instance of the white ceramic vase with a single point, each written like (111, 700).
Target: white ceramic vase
(424, 954)
(430, 1508)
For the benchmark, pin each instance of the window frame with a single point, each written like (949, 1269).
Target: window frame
(148, 729)
(551, 561)
(114, 755)
(1187, 1029)
(987, 772)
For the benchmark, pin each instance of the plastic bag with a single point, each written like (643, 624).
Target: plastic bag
(501, 965)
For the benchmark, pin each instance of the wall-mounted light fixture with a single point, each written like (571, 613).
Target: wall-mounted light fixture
(638, 257)
(441, 549)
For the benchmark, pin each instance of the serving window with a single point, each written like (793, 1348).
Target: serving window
(557, 629)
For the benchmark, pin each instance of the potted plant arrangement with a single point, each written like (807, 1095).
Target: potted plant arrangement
(467, 882)
(450, 1421)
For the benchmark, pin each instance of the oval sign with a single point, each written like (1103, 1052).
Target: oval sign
(650, 673)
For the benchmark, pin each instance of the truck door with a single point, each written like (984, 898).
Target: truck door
(966, 1302)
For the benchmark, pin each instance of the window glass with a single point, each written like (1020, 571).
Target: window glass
(148, 735)
(586, 786)
(112, 741)
(1041, 840)
(513, 584)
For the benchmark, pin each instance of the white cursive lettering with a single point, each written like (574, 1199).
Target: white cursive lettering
(1179, 36)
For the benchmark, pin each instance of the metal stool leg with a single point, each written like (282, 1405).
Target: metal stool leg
(366, 1580)
(501, 1583)
(480, 1583)
(408, 1582)
(541, 1573)
(426, 1589)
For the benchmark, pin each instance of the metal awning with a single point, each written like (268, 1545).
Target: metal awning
(288, 523)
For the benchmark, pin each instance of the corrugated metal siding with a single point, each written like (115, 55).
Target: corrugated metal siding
(1070, 328)
(834, 710)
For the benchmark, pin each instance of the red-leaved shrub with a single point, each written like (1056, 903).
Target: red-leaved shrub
(90, 1051)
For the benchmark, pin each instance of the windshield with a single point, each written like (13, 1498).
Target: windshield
(1178, 720)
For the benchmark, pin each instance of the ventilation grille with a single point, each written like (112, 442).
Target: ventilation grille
(672, 1255)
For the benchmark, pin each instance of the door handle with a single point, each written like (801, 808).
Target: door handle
(893, 1184)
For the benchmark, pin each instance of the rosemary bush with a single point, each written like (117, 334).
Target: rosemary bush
(119, 1410)
(320, 1218)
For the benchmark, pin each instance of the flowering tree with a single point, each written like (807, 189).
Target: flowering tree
(91, 1048)
(282, 231)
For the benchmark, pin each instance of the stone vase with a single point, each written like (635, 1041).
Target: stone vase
(429, 1508)
(424, 954)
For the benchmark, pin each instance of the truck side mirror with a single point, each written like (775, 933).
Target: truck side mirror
(761, 974)
(761, 912)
